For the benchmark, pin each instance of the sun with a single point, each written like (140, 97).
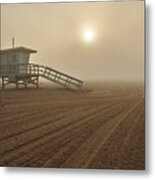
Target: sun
(89, 35)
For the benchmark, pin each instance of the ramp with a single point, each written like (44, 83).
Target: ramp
(59, 77)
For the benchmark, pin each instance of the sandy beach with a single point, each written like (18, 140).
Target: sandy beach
(101, 126)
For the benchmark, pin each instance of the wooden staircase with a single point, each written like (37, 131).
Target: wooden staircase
(60, 78)
(23, 71)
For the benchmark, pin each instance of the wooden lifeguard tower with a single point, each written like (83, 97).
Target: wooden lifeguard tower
(15, 68)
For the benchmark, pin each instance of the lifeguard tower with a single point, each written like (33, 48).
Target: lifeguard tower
(15, 68)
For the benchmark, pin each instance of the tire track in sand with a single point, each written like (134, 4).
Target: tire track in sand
(92, 146)
(32, 146)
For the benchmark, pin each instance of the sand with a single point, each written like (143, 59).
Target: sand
(101, 126)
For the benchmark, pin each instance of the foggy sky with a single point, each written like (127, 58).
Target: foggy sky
(55, 31)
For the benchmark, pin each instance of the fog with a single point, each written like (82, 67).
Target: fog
(55, 30)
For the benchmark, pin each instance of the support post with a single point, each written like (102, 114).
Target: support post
(16, 84)
(25, 83)
(37, 85)
(3, 83)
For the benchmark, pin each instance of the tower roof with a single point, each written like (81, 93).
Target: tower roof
(17, 49)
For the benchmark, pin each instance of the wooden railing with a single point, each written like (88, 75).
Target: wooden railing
(48, 73)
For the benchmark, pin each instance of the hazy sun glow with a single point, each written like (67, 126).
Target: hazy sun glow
(88, 35)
